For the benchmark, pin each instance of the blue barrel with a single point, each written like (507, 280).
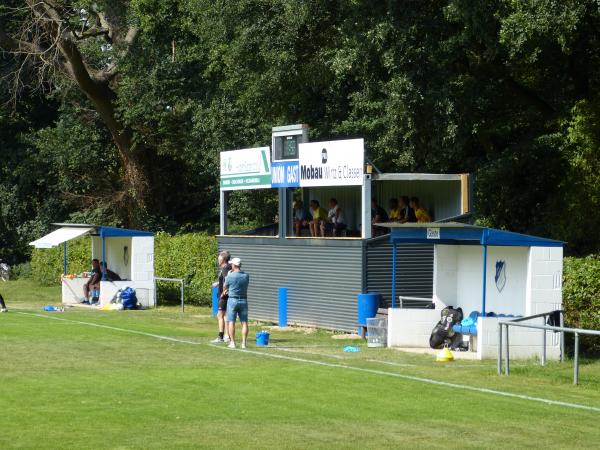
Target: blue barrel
(283, 307)
(367, 307)
(262, 338)
(215, 300)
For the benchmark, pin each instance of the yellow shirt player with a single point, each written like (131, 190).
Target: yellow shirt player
(394, 215)
(420, 212)
(319, 215)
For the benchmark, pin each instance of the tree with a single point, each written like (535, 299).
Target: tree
(84, 43)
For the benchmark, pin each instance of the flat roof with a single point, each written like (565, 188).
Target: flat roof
(454, 233)
(417, 176)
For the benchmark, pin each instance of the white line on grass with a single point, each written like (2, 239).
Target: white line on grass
(337, 366)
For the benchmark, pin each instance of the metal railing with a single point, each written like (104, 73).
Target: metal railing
(505, 324)
(416, 302)
(173, 280)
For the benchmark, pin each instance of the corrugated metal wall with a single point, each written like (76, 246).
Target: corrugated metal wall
(324, 278)
(414, 269)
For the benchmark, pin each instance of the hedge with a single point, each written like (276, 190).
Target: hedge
(581, 297)
(47, 264)
(189, 256)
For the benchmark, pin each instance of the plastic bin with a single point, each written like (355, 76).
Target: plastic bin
(367, 306)
(377, 329)
(262, 339)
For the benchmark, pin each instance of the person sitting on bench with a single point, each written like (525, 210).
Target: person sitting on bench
(94, 282)
(335, 223)
(319, 216)
(110, 275)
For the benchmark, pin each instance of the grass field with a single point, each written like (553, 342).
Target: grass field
(114, 380)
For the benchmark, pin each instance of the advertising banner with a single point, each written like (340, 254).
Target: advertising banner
(332, 163)
(285, 174)
(246, 169)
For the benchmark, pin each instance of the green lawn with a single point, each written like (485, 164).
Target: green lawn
(68, 384)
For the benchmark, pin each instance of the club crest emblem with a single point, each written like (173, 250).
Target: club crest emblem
(500, 277)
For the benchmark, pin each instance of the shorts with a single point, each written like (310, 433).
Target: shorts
(222, 304)
(237, 307)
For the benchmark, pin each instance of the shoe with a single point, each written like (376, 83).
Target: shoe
(226, 339)
(3, 310)
(231, 345)
(218, 340)
(85, 302)
(243, 346)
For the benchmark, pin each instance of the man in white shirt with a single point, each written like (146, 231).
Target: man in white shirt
(335, 220)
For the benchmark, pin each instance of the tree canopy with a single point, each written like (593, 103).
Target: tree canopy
(115, 111)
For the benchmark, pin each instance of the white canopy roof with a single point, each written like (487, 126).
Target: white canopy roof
(59, 236)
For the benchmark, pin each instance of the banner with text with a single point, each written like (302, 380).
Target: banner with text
(332, 163)
(285, 174)
(246, 169)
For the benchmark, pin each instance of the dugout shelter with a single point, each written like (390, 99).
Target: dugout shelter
(129, 253)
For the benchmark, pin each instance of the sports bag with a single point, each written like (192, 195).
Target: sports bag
(128, 298)
(442, 334)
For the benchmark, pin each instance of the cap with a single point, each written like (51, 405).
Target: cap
(236, 262)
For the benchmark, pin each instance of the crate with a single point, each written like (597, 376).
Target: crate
(377, 332)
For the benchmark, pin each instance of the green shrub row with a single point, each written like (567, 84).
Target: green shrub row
(189, 256)
(47, 263)
(581, 297)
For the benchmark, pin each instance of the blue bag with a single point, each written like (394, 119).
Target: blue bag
(128, 298)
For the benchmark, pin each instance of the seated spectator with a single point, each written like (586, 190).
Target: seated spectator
(110, 275)
(300, 217)
(335, 223)
(378, 214)
(319, 216)
(420, 212)
(395, 211)
(94, 281)
(407, 213)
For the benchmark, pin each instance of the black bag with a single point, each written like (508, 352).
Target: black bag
(443, 334)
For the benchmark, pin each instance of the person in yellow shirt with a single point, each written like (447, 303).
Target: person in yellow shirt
(319, 217)
(421, 213)
(394, 215)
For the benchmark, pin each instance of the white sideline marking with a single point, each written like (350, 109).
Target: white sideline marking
(308, 353)
(389, 363)
(335, 365)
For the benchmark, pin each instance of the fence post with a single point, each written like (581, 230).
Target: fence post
(182, 302)
(562, 337)
(576, 361)
(499, 349)
(544, 344)
(507, 369)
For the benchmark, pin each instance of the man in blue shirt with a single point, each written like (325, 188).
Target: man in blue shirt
(236, 287)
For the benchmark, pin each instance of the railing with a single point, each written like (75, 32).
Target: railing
(561, 329)
(173, 280)
(416, 302)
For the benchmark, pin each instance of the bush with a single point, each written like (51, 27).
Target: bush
(190, 256)
(581, 297)
(20, 271)
(47, 263)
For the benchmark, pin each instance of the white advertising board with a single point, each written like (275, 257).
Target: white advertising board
(246, 169)
(332, 163)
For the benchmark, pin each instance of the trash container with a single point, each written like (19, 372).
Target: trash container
(377, 329)
(367, 307)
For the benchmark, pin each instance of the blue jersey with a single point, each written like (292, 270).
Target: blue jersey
(237, 283)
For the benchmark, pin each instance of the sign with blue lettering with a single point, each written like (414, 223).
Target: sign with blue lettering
(285, 174)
